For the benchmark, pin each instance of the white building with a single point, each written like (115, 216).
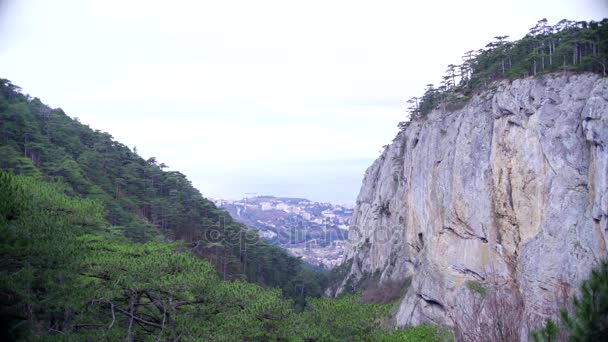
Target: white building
(266, 206)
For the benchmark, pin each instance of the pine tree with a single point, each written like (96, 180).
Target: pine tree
(589, 321)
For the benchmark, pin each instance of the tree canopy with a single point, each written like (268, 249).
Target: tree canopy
(568, 46)
(68, 275)
(141, 200)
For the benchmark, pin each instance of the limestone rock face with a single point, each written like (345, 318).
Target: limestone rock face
(495, 211)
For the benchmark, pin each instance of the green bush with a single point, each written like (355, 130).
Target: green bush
(476, 287)
(65, 275)
(589, 319)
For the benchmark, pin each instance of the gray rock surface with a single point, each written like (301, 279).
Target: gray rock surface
(497, 211)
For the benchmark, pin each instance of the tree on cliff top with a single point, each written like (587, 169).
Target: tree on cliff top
(568, 46)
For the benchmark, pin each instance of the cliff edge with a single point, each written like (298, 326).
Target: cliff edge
(494, 212)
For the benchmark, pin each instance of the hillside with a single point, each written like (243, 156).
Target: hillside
(67, 275)
(140, 199)
(98, 244)
(485, 219)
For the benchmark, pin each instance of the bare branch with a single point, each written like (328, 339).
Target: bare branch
(113, 315)
(138, 319)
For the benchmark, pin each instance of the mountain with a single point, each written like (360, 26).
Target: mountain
(485, 216)
(140, 199)
(494, 212)
(311, 230)
(97, 243)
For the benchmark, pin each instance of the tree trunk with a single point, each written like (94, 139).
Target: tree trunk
(542, 61)
(132, 313)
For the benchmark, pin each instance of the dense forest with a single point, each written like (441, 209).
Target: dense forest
(141, 200)
(568, 46)
(98, 243)
(69, 275)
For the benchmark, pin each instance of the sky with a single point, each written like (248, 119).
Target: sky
(286, 98)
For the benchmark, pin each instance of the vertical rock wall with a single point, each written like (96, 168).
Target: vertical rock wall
(496, 211)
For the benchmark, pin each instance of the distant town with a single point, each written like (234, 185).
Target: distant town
(314, 231)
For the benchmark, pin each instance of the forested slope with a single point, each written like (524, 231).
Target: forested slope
(97, 243)
(141, 200)
(67, 275)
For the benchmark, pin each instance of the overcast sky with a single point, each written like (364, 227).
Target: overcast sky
(291, 98)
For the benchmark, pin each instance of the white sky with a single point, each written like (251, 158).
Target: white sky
(291, 98)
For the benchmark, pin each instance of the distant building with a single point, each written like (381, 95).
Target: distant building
(266, 206)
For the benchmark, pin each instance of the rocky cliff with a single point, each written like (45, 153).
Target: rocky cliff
(495, 211)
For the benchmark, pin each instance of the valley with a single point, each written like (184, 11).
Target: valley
(484, 216)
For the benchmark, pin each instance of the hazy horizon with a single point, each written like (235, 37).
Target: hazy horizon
(271, 97)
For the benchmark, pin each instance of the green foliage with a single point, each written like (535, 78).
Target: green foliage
(589, 319)
(82, 253)
(568, 46)
(338, 274)
(141, 200)
(11, 159)
(342, 319)
(66, 276)
(476, 287)
(173, 294)
(547, 334)
(39, 252)
(348, 319)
